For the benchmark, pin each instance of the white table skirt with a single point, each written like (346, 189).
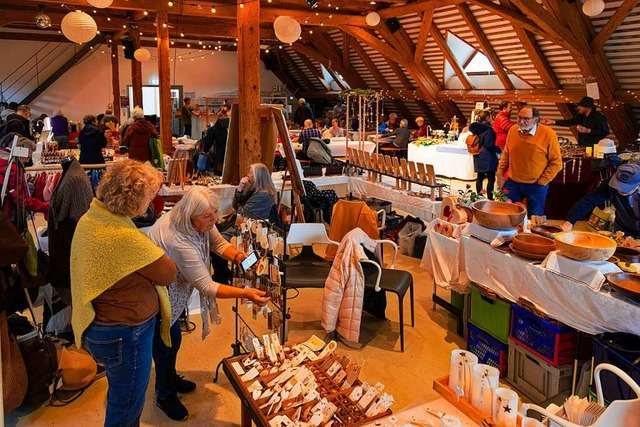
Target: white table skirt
(339, 149)
(443, 260)
(423, 208)
(562, 298)
(452, 161)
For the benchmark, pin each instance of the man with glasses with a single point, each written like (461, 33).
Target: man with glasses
(590, 124)
(532, 158)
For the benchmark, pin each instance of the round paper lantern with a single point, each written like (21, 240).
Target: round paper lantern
(287, 29)
(142, 55)
(100, 4)
(593, 7)
(79, 27)
(372, 19)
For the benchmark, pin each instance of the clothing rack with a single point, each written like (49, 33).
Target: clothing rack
(57, 166)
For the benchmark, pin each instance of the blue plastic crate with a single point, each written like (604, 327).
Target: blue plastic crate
(489, 350)
(554, 343)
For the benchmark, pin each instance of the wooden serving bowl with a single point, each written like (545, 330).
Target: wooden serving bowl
(629, 255)
(628, 284)
(585, 246)
(546, 230)
(498, 215)
(533, 244)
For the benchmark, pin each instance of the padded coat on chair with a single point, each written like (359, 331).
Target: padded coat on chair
(348, 215)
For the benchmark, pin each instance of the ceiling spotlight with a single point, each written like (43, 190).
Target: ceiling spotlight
(43, 20)
(312, 3)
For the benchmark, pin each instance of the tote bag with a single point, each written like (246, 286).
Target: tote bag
(157, 159)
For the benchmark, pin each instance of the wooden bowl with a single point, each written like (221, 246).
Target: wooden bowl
(546, 230)
(628, 284)
(629, 255)
(498, 215)
(533, 244)
(585, 246)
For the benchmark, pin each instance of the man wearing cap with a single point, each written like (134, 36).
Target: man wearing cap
(302, 113)
(622, 191)
(590, 124)
(532, 158)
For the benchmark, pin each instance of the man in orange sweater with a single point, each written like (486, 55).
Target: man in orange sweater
(532, 158)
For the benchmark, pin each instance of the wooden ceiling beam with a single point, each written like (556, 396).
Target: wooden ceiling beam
(533, 95)
(423, 37)
(485, 45)
(285, 78)
(450, 57)
(296, 69)
(345, 49)
(415, 7)
(311, 66)
(326, 44)
(612, 25)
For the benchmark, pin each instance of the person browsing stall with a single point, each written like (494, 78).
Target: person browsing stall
(591, 125)
(188, 235)
(502, 123)
(137, 136)
(91, 141)
(485, 163)
(255, 194)
(622, 191)
(532, 158)
(118, 286)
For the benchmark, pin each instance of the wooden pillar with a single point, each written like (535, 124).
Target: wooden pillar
(136, 74)
(164, 77)
(115, 79)
(249, 84)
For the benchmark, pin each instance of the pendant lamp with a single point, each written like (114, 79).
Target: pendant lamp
(287, 29)
(100, 4)
(79, 27)
(372, 19)
(142, 55)
(593, 7)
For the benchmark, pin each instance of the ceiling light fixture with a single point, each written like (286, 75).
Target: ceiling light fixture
(312, 3)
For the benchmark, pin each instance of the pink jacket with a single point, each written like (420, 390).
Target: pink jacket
(501, 125)
(344, 288)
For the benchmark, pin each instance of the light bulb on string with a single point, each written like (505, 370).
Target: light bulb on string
(213, 9)
(170, 4)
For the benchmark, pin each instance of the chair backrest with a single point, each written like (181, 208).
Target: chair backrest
(422, 172)
(308, 234)
(431, 174)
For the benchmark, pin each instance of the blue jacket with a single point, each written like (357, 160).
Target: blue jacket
(487, 160)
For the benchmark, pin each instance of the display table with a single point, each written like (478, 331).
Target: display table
(423, 208)
(450, 160)
(419, 415)
(561, 297)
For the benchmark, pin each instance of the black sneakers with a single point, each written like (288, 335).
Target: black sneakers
(184, 386)
(173, 408)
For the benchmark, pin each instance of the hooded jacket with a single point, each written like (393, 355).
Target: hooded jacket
(487, 160)
(17, 123)
(91, 141)
(137, 139)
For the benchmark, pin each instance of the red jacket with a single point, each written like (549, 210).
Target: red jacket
(501, 125)
(137, 139)
(18, 187)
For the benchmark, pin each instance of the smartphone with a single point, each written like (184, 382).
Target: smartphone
(249, 261)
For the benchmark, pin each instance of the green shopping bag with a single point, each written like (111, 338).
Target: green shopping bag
(157, 159)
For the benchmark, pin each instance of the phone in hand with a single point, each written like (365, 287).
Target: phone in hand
(249, 261)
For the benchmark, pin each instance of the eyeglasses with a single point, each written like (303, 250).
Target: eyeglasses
(525, 119)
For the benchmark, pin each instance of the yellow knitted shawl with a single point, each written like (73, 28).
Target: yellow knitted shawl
(107, 247)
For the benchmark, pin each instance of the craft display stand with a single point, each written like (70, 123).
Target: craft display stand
(263, 282)
(405, 173)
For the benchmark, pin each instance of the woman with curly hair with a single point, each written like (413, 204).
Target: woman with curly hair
(118, 285)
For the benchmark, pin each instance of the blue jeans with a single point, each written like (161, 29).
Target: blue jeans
(535, 194)
(165, 359)
(125, 352)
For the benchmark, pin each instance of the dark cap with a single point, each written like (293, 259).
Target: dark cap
(586, 102)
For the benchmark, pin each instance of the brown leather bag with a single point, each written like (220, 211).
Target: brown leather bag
(14, 372)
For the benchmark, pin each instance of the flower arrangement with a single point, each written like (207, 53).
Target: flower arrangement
(501, 195)
(468, 196)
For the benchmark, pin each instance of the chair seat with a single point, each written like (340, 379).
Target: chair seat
(307, 276)
(396, 281)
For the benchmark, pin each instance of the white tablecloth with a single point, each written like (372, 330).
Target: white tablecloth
(339, 149)
(450, 160)
(443, 260)
(562, 298)
(423, 208)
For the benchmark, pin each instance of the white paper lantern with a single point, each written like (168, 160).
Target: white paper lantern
(142, 55)
(593, 7)
(372, 19)
(100, 4)
(79, 27)
(287, 29)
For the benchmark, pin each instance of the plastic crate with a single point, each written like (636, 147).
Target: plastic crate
(489, 350)
(621, 350)
(492, 314)
(534, 377)
(553, 342)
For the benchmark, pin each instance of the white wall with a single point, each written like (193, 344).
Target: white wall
(86, 88)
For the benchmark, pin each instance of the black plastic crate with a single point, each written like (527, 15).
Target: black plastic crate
(621, 350)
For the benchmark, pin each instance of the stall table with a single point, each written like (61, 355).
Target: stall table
(450, 160)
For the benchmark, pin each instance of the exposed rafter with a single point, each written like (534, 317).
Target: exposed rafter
(423, 37)
(612, 25)
(450, 57)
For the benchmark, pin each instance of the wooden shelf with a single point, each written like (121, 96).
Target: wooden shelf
(441, 386)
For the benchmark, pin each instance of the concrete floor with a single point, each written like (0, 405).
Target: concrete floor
(407, 376)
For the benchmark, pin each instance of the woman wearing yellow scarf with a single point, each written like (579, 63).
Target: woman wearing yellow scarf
(118, 285)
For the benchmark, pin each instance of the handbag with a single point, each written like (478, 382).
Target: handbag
(157, 156)
(203, 162)
(34, 268)
(41, 361)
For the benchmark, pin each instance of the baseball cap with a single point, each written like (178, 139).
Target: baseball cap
(586, 102)
(626, 179)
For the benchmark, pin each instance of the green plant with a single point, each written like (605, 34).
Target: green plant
(501, 195)
(468, 196)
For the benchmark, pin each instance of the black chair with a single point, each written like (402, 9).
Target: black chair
(391, 280)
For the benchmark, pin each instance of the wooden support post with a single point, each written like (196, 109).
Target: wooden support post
(136, 73)
(115, 79)
(249, 84)
(164, 77)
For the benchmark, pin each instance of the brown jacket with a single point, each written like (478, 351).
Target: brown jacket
(137, 139)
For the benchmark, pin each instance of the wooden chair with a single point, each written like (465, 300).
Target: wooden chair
(381, 166)
(412, 172)
(374, 167)
(388, 167)
(405, 174)
(367, 164)
(422, 173)
(432, 182)
(396, 171)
